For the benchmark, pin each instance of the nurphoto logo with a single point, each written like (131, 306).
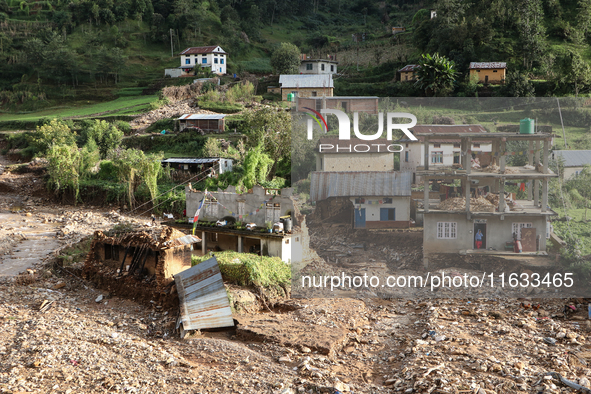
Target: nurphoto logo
(345, 129)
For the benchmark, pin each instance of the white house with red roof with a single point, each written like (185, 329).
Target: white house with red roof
(213, 57)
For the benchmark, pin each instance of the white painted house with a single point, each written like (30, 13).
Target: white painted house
(213, 57)
(318, 66)
(573, 161)
(442, 152)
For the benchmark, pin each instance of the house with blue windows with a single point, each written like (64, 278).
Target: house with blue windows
(212, 57)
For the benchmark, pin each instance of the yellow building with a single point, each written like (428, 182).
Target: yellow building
(306, 85)
(488, 72)
(407, 73)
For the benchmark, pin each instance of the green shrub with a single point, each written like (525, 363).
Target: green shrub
(224, 108)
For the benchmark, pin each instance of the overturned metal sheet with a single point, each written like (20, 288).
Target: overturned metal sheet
(203, 298)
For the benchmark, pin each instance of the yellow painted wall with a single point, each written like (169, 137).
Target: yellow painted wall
(493, 77)
(407, 76)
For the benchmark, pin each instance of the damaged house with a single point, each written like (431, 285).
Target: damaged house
(159, 253)
(260, 208)
(355, 182)
(478, 217)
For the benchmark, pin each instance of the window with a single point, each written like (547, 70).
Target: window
(287, 241)
(213, 237)
(314, 94)
(211, 208)
(187, 61)
(447, 230)
(406, 156)
(387, 200)
(476, 145)
(204, 60)
(360, 200)
(332, 68)
(456, 144)
(322, 67)
(436, 145)
(215, 61)
(387, 214)
(436, 157)
(344, 106)
(494, 71)
(517, 228)
(456, 157)
(309, 66)
(477, 71)
(221, 61)
(272, 212)
(318, 104)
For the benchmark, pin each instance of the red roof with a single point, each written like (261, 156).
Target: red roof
(200, 50)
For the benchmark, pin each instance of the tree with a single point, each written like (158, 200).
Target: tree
(517, 84)
(256, 167)
(133, 167)
(436, 74)
(286, 59)
(532, 33)
(64, 163)
(56, 132)
(106, 136)
(571, 68)
(270, 129)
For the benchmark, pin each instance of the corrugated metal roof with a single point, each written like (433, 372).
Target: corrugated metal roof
(202, 116)
(325, 184)
(185, 240)
(306, 81)
(342, 98)
(573, 158)
(184, 160)
(487, 65)
(203, 298)
(410, 67)
(199, 50)
(375, 146)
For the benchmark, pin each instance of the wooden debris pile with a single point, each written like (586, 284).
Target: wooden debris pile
(479, 204)
(493, 168)
(493, 198)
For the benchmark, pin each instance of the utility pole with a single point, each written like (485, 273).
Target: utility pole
(171, 46)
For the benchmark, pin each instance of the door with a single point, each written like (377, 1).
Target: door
(387, 214)
(359, 217)
(482, 236)
(528, 239)
(486, 79)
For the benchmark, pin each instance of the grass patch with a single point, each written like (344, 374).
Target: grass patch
(258, 65)
(245, 269)
(122, 105)
(222, 108)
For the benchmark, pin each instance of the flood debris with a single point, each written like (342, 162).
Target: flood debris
(203, 299)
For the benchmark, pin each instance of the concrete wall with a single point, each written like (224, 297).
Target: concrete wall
(494, 75)
(571, 172)
(498, 232)
(416, 154)
(372, 211)
(355, 162)
(173, 72)
(240, 204)
(317, 67)
(307, 92)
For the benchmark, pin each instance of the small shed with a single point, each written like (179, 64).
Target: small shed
(207, 122)
(158, 252)
(488, 72)
(198, 165)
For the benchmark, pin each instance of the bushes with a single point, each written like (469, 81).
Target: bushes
(224, 108)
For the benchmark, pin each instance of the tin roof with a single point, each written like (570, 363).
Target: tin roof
(409, 67)
(573, 158)
(342, 98)
(203, 298)
(200, 50)
(188, 160)
(325, 184)
(487, 65)
(342, 146)
(306, 81)
(202, 116)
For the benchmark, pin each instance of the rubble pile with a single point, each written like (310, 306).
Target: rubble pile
(166, 112)
(493, 168)
(479, 204)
